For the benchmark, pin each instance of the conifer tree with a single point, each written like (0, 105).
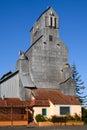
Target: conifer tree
(79, 84)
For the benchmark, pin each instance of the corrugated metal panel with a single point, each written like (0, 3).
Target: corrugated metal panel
(26, 81)
(10, 87)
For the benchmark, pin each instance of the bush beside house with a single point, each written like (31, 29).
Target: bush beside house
(40, 118)
(58, 120)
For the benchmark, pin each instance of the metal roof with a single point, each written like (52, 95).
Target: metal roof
(26, 81)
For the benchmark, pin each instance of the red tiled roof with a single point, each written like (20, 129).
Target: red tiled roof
(16, 102)
(40, 103)
(42, 98)
(55, 96)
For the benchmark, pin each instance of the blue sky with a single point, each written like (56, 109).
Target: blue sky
(18, 16)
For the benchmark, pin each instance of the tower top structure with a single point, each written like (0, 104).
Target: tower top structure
(47, 21)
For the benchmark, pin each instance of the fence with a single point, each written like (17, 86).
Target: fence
(13, 116)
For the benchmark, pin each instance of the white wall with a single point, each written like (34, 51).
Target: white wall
(76, 109)
(55, 110)
(38, 110)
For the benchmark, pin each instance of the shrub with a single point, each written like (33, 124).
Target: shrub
(69, 117)
(54, 119)
(40, 118)
(65, 118)
(77, 118)
(58, 119)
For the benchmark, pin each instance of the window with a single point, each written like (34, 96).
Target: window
(58, 45)
(55, 22)
(50, 38)
(64, 110)
(44, 111)
(45, 43)
(51, 21)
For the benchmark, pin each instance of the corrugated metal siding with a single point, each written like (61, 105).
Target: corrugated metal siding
(10, 87)
(26, 81)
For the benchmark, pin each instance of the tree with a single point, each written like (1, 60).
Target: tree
(84, 115)
(79, 84)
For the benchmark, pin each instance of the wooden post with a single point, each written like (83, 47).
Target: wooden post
(27, 115)
(11, 116)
